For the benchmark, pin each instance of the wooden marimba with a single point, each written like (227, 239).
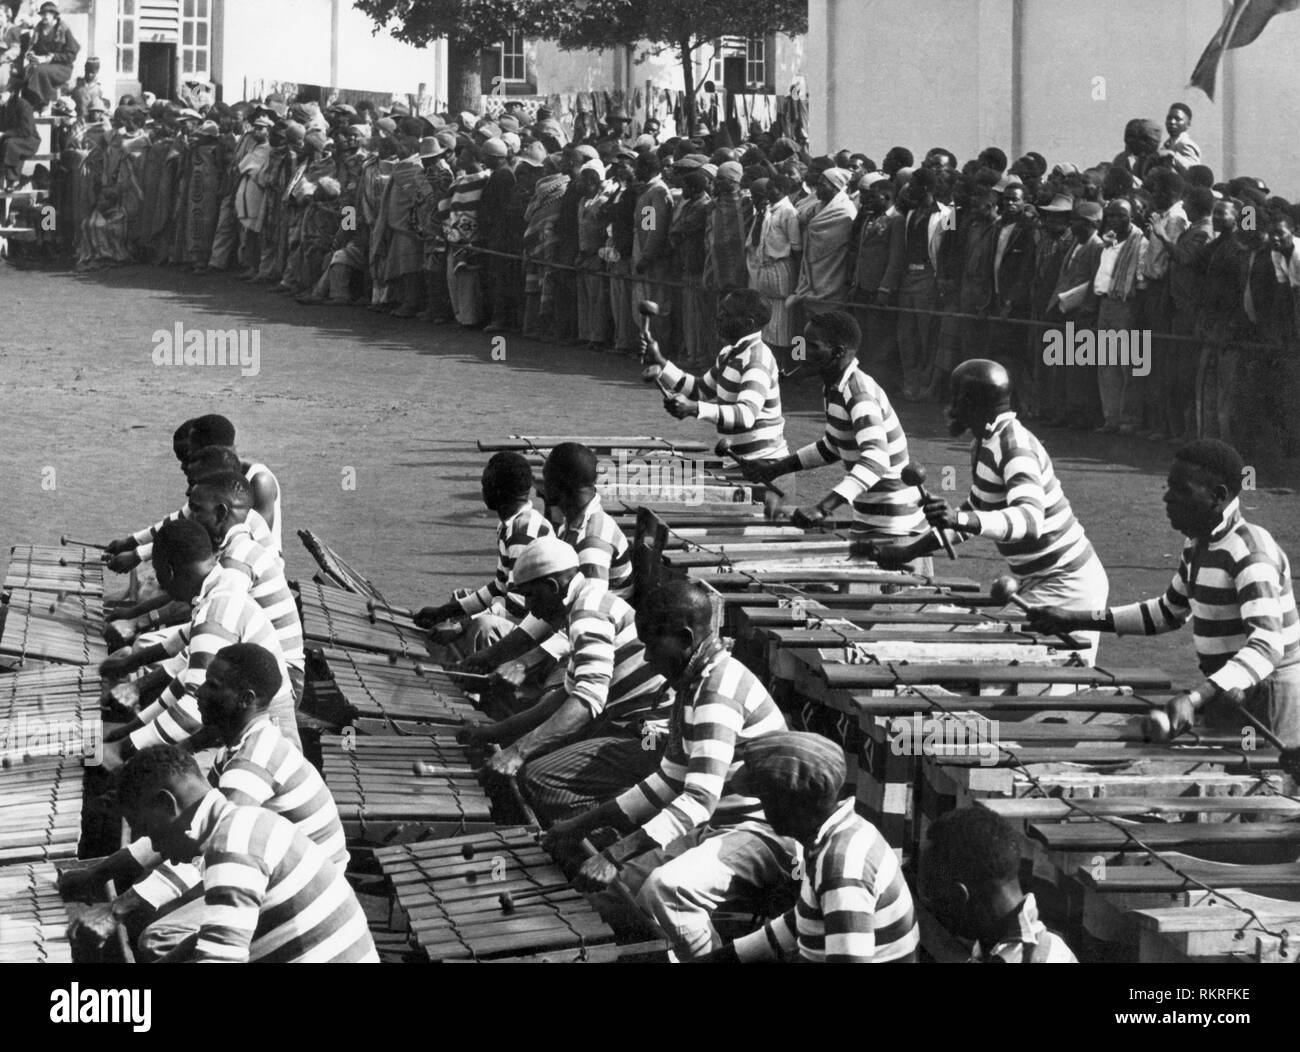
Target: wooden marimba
(30, 636)
(54, 569)
(452, 903)
(33, 918)
(337, 618)
(381, 799)
(40, 806)
(382, 696)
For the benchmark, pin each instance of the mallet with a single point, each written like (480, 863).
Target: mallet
(1004, 589)
(648, 309)
(723, 449)
(914, 475)
(65, 540)
(428, 770)
(508, 899)
(468, 677)
(1237, 698)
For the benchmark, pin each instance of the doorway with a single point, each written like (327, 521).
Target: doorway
(158, 69)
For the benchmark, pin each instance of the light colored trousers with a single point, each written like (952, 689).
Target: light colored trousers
(1087, 588)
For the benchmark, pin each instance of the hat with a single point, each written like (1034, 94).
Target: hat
(533, 155)
(1008, 182)
(1062, 204)
(643, 142)
(508, 123)
(188, 114)
(688, 163)
(870, 179)
(209, 130)
(295, 133)
(732, 170)
(493, 148)
(587, 153)
(431, 147)
(47, 6)
(838, 177)
(466, 120)
(512, 141)
(96, 106)
(488, 130)
(1089, 210)
(543, 557)
(792, 762)
(1066, 168)
(626, 152)
(262, 121)
(360, 130)
(593, 166)
(398, 109)
(386, 125)
(711, 168)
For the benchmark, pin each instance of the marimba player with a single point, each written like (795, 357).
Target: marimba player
(696, 842)
(854, 905)
(602, 730)
(507, 487)
(269, 893)
(1015, 499)
(970, 882)
(256, 767)
(1234, 583)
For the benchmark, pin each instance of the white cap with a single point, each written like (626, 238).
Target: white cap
(545, 556)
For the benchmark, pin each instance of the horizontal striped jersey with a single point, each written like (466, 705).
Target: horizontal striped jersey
(268, 587)
(603, 554)
(224, 613)
(1019, 503)
(262, 769)
(1026, 941)
(270, 894)
(740, 395)
(1237, 590)
(863, 433)
(720, 705)
(513, 536)
(607, 670)
(257, 528)
(854, 906)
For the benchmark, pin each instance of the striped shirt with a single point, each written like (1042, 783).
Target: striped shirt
(1236, 587)
(262, 769)
(719, 705)
(603, 554)
(276, 541)
(1026, 935)
(224, 613)
(257, 528)
(1018, 501)
(854, 906)
(863, 432)
(740, 395)
(267, 585)
(607, 670)
(270, 894)
(513, 536)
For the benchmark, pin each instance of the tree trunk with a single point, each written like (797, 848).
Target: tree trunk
(688, 80)
(464, 77)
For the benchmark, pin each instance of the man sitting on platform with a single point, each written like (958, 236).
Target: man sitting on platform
(507, 486)
(601, 731)
(1234, 583)
(269, 893)
(697, 841)
(258, 767)
(854, 905)
(224, 612)
(970, 881)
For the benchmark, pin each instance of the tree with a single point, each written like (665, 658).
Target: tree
(686, 25)
(469, 27)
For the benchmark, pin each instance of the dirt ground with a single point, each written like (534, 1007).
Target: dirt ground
(370, 425)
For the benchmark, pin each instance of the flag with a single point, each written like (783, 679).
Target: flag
(1243, 24)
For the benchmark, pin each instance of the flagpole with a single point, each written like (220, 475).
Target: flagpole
(1228, 97)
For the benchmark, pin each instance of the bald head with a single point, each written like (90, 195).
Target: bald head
(676, 605)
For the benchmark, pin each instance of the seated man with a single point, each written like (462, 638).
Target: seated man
(257, 767)
(970, 881)
(269, 893)
(569, 477)
(216, 431)
(698, 842)
(224, 613)
(507, 486)
(854, 906)
(600, 732)
(1234, 582)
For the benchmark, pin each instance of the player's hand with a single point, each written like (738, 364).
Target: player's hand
(891, 556)
(478, 663)
(507, 763)
(1049, 620)
(1181, 713)
(118, 664)
(596, 874)
(681, 407)
(810, 518)
(95, 926)
(940, 514)
(114, 756)
(124, 562)
(118, 547)
(429, 616)
(510, 675)
(80, 884)
(474, 734)
(651, 354)
(760, 471)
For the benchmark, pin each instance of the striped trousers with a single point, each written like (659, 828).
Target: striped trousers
(578, 776)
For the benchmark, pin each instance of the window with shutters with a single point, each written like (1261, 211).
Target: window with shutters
(196, 28)
(513, 69)
(126, 26)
